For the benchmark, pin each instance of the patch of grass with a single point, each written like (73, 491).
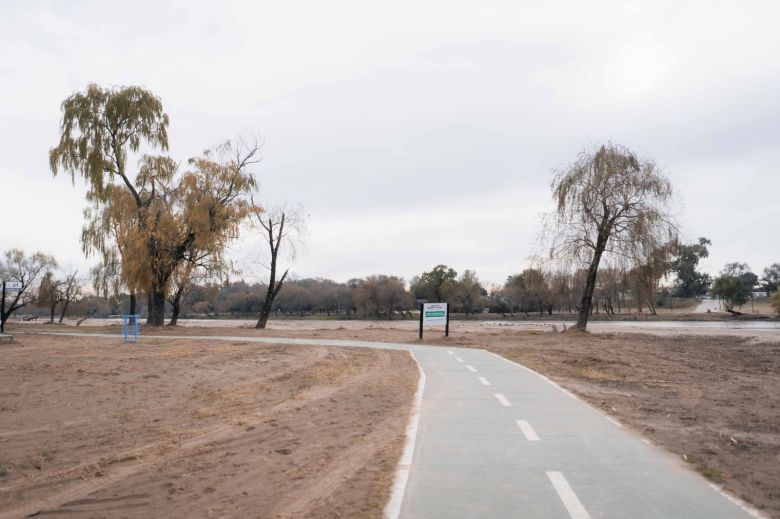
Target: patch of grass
(712, 474)
(40, 456)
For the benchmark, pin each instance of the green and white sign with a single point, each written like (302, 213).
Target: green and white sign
(435, 314)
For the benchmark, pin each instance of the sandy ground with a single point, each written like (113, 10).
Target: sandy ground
(94, 428)
(712, 399)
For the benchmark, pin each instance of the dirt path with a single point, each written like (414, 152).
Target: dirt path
(707, 305)
(93, 428)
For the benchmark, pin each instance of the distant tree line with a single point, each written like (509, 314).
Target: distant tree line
(54, 293)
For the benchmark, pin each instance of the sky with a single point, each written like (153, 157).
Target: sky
(413, 133)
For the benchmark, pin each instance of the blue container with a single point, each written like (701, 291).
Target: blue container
(130, 327)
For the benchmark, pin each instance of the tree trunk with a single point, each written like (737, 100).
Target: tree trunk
(273, 288)
(53, 307)
(90, 314)
(156, 310)
(132, 310)
(64, 309)
(175, 312)
(586, 304)
(265, 310)
(176, 304)
(651, 305)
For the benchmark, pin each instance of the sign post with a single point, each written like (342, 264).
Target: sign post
(8, 286)
(422, 307)
(435, 314)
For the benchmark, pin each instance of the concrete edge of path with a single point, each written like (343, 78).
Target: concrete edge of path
(393, 507)
(748, 509)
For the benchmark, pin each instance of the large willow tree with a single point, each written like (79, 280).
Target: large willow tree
(613, 206)
(157, 216)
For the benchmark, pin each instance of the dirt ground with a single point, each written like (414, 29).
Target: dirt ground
(94, 428)
(714, 400)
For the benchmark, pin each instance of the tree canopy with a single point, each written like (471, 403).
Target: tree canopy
(100, 126)
(734, 285)
(686, 257)
(772, 277)
(433, 285)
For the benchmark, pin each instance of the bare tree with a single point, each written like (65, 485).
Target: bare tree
(379, 295)
(281, 229)
(49, 294)
(26, 270)
(70, 290)
(54, 291)
(611, 205)
(467, 291)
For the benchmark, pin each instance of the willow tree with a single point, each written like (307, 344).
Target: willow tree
(156, 215)
(100, 129)
(103, 232)
(612, 206)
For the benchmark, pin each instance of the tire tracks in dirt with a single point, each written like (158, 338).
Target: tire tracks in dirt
(105, 473)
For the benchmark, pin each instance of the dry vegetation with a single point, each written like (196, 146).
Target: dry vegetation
(93, 428)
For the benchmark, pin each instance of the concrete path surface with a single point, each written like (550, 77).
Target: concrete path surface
(494, 439)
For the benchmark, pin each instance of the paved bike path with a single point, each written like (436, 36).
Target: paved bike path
(497, 440)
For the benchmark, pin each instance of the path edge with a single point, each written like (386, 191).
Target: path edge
(392, 509)
(736, 501)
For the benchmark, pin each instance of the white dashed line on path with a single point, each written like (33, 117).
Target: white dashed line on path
(471, 368)
(527, 430)
(484, 381)
(501, 398)
(448, 351)
(567, 495)
(458, 359)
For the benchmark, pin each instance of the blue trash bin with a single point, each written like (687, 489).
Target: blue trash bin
(130, 327)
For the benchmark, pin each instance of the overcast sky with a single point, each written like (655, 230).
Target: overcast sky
(414, 133)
